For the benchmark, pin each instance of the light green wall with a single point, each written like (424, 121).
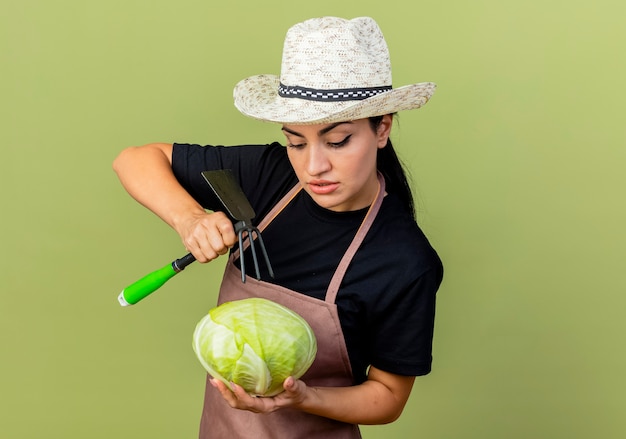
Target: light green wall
(519, 160)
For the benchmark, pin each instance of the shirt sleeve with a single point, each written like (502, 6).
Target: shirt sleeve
(403, 339)
(396, 310)
(263, 171)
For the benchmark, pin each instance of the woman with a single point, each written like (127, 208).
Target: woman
(338, 224)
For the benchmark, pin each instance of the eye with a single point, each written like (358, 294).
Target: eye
(340, 144)
(296, 142)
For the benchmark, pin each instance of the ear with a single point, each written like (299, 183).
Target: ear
(384, 130)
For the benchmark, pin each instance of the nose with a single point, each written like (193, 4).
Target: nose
(317, 160)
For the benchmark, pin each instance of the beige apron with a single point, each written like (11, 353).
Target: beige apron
(331, 367)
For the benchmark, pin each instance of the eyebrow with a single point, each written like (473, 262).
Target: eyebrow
(320, 132)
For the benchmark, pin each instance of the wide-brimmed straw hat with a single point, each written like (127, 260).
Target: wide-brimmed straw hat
(333, 70)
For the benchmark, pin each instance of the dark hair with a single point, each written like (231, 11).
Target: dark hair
(394, 172)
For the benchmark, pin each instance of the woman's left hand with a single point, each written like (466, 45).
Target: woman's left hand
(294, 394)
(379, 400)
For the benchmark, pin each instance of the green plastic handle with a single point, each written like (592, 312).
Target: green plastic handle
(153, 281)
(146, 285)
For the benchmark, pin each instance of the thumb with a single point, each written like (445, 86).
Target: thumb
(290, 384)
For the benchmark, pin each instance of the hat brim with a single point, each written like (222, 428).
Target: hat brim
(257, 97)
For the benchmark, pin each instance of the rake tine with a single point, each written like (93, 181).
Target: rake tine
(267, 259)
(250, 230)
(242, 259)
(253, 250)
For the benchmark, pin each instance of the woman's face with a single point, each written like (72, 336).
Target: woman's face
(336, 163)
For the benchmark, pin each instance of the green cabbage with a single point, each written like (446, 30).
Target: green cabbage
(254, 343)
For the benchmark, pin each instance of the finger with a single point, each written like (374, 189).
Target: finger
(251, 403)
(207, 240)
(220, 386)
(202, 253)
(216, 241)
(215, 234)
(227, 231)
(240, 393)
(228, 396)
(242, 400)
(290, 384)
(194, 249)
(295, 390)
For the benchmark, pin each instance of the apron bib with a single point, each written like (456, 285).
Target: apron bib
(331, 367)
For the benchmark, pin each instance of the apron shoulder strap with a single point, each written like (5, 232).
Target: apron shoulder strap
(278, 207)
(335, 283)
(284, 201)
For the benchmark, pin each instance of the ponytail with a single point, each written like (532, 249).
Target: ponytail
(394, 172)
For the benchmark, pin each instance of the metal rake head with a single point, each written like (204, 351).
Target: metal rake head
(247, 230)
(227, 189)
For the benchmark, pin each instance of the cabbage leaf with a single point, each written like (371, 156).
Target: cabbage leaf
(254, 343)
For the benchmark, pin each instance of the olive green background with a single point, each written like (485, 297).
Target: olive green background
(518, 159)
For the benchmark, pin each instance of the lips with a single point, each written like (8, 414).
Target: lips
(322, 187)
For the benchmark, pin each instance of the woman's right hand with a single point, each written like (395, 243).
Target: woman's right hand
(207, 235)
(146, 173)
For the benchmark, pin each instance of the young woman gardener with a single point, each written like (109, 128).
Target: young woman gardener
(338, 223)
